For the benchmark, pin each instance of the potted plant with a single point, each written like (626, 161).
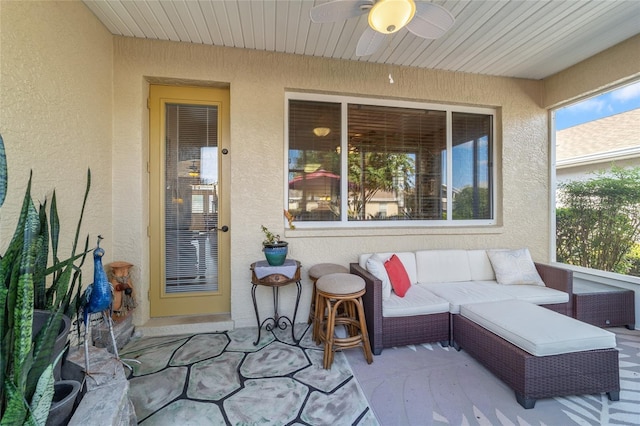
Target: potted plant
(57, 287)
(27, 349)
(275, 250)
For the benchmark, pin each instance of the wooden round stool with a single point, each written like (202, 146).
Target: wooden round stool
(339, 296)
(315, 272)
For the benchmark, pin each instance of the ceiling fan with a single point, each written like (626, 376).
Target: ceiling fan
(424, 19)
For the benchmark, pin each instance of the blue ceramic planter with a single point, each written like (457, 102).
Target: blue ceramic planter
(276, 253)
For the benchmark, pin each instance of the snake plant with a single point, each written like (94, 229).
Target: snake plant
(26, 368)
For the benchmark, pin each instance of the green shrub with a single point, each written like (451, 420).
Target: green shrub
(599, 221)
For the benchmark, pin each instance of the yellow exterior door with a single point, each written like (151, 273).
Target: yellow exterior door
(189, 200)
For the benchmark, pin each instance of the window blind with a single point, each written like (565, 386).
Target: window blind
(191, 249)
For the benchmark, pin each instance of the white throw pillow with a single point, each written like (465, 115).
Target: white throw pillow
(514, 267)
(375, 265)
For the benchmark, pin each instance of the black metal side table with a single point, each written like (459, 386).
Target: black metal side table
(262, 274)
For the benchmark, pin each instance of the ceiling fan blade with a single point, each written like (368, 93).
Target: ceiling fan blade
(338, 10)
(430, 20)
(369, 42)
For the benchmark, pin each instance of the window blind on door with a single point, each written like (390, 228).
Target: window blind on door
(191, 187)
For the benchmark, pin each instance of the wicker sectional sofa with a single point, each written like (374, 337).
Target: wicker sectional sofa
(490, 303)
(442, 281)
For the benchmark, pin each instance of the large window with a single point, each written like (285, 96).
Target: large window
(598, 181)
(354, 161)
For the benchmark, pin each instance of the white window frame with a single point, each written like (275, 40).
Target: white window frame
(344, 101)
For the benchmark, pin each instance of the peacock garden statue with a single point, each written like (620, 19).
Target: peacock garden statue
(98, 299)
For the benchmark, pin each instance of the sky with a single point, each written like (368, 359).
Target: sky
(623, 99)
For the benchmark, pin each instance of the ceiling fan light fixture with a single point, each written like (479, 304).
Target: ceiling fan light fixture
(389, 16)
(321, 131)
(193, 169)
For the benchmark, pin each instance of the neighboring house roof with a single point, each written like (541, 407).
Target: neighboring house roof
(616, 137)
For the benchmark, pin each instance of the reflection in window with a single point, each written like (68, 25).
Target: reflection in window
(314, 161)
(395, 160)
(401, 165)
(471, 166)
(197, 203)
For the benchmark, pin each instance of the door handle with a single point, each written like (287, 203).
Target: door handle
(224, 228)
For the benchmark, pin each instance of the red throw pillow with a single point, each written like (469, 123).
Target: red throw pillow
(397, 275)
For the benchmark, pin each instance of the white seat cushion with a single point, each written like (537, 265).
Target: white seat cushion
(417, 301)
(537, 330)
(461, 293)
(535, 294)
(340, 283)
(320, 269)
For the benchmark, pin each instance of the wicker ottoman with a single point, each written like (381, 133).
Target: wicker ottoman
(603, 305)
(569, 357)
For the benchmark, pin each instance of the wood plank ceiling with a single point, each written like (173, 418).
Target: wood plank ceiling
(524, 39)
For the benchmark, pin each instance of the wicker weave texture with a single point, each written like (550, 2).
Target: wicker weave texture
(413, 330)
(576, 373)
(613, 309)
(372, 301)
(559, 279)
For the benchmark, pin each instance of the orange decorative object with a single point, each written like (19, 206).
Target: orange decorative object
(290, 219)
(123, 294)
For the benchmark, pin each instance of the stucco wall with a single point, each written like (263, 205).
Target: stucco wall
(59, 68)
(614, 66)
(258, 81)
(55, 115)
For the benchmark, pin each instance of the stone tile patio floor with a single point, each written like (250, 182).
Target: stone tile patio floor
(222, 378)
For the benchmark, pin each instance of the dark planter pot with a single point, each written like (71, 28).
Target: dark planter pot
(40, 318)
(276, 253)
(65, 394)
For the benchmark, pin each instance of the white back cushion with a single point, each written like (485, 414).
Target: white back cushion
(375, 265)
(481, 269)
(438, 266)
(408, 259)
